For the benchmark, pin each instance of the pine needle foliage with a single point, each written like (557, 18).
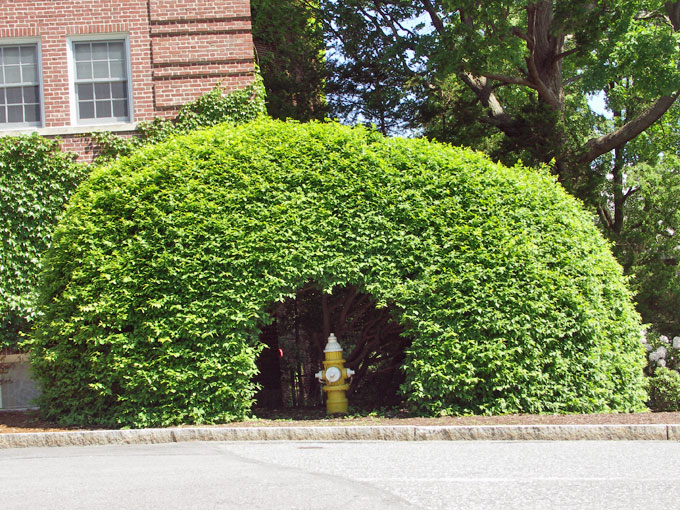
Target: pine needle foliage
(166, 264)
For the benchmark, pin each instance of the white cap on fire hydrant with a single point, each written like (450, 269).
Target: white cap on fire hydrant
(333, 374)
(332, 345)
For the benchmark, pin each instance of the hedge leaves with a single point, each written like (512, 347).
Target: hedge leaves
(166, 263)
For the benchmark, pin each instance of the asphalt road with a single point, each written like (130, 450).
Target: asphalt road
(354, 475)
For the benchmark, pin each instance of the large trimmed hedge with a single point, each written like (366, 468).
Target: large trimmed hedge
(166, 264)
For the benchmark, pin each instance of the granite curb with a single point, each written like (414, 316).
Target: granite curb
(347, 433)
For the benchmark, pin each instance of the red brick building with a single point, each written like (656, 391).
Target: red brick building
(70, 67)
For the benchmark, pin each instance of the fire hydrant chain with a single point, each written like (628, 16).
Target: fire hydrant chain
(334, 378)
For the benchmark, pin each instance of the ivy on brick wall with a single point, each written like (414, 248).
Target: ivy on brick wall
(210, 109)
(36, 181)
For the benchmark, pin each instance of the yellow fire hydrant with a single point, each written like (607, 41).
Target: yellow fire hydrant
(334, 378)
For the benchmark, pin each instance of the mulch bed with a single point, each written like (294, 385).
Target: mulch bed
(30, 421)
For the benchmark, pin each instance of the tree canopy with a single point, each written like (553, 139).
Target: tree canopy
(517, 72)
(520, 80)
(289, 46)
(168, 262)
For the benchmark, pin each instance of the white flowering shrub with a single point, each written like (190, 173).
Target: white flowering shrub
(662, 352)
(663, 362)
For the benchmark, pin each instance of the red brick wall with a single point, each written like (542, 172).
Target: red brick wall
(196, 45)
(54, 20)
(179, 49)
(83, 146)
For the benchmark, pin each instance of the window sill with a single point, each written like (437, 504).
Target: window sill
(71, 130)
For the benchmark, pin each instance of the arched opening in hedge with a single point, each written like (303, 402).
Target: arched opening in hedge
(167, 263)
(373, 344)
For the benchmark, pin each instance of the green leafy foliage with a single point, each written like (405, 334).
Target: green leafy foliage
(36, 180)
(664, 390)
(527, 80)
(210, 109)
(290, 52)
(167, 262)
(511, 77)
(648, 247)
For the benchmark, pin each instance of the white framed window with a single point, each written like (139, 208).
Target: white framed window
(20, 85)
(101, 82)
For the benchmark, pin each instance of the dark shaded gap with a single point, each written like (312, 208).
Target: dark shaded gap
(372, 343)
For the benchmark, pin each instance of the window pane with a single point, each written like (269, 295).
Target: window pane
(100, 69)
(85, 91)
(12, 74)
(116, 51)
(15, 114)
(117, 69)
(86, 109)
(10, 55)
(2, 96)
(14, 95)
(32, 113)
(119, 90)
(83, 70)
(82, 52)
(3, 115)
(2, 75)
(120, 108)
(100, 51)
(28, 55)
(31, 95)
(103, 109)
(28, 73)
(102, 90)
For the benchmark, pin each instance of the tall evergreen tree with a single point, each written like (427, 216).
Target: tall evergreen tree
(290, 51)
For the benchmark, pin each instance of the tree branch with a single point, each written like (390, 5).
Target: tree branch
(326, 315)
(631, 191)
(673, 11)
(480, 86)
(595, 147)
(518, 33)
(434, 17)
(511, 80)
(605, 216)
(566, 53)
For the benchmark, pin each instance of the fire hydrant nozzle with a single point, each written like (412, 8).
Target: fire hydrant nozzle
(334, 377)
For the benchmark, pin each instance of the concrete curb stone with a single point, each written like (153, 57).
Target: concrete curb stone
(349, 433)
(545, 433)
(674, 432)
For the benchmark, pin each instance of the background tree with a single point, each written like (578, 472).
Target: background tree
(523, 69)
(368, 71)
(290, 52)
(638, 212)
(516, 79)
